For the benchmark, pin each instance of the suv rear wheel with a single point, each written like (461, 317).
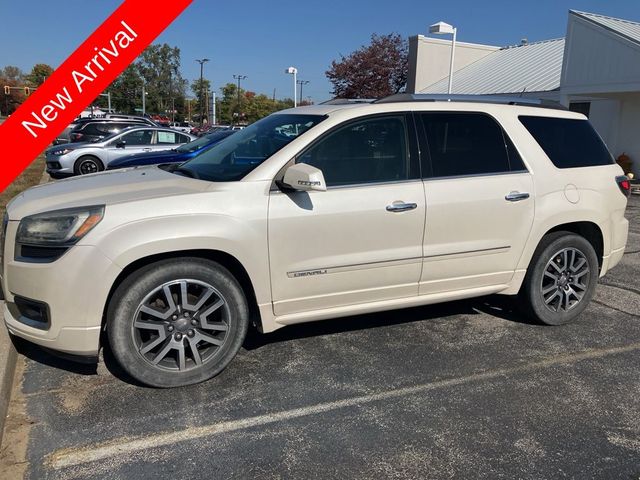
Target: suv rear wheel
(561, 278)
(177, 322)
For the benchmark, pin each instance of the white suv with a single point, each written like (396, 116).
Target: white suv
(357, 208)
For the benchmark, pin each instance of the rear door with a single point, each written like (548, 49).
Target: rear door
(166, 140)
(480, 202)
(361, 240)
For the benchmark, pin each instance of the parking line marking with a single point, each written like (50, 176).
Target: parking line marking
(126, 446)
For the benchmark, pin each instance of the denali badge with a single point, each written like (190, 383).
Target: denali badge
(307, 273)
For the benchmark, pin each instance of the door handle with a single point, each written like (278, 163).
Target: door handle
(516, 196)
(146, 149)
(401, 207)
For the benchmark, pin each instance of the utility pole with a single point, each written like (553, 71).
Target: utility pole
(144, 100)
(213, 114)
(201, 61)
(301, 83)
(239, 78)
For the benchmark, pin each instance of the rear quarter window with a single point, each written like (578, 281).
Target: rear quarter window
(568, 142)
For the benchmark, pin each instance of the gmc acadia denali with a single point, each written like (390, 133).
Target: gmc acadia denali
(313, 213)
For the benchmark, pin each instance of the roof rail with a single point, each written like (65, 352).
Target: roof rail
(346, 101)
(498, 99)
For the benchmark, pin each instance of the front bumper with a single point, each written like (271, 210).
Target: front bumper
(75, 288)
(59, 166)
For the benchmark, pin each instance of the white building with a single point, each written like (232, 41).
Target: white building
(595, 70)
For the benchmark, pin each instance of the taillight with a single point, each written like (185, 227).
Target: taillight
(625, 184)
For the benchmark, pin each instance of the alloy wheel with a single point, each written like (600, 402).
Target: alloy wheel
(181, 325)
(565, 280)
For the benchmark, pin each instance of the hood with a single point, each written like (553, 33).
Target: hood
(144, 158)
(104, 188)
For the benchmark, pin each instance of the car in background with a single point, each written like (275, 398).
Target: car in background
(185, 127)
(84, 158)
(162, 120)
(177, 155)
(96, 131)
(207, 128)
(65, 135)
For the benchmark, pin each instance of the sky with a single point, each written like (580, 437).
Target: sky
(260, 39)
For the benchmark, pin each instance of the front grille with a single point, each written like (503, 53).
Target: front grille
(38, 254)
(54, 165)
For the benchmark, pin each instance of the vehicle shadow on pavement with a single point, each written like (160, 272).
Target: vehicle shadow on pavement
(47, 357)
(495, 305)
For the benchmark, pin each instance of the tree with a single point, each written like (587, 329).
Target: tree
(126, 91)
(39, 73)
(196, 107)
(372, 71)
(11, 76)
(159, 67)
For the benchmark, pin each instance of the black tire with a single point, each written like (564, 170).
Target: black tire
(561, 300)
(88, 164)
(144, 290)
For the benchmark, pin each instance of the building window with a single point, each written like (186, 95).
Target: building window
(580, 107)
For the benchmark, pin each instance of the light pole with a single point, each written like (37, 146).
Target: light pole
(442, 28)
(144, 100)
(293, 71)
(239, 78)
(301, 83)
(201, 61)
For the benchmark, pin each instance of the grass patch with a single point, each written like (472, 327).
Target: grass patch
(30, 177)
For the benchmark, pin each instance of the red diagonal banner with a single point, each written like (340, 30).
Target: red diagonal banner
(80, 79)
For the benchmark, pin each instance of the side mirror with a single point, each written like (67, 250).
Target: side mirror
(304, 178)
(121, 144)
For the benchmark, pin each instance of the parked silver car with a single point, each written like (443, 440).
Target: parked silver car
(83, 158)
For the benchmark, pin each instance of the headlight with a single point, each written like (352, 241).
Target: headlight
(62, 151)
(59, 227)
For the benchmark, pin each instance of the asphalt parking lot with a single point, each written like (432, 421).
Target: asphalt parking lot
(460, 390)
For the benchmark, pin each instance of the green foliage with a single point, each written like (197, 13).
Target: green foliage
(200, 101)
(39, 73)
(126, 91)
(159, 66)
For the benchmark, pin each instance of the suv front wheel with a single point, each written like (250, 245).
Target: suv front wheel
(561, 279)
(177, 322)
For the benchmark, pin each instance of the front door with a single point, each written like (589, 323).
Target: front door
(138, 141)
(361, 240)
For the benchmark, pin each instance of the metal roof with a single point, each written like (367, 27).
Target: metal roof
(533, 67)
(625, 28)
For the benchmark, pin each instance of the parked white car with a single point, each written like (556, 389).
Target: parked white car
(185, 127)
(402, 202)
(83, 158)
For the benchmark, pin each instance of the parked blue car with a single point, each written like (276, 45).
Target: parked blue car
(177, 155)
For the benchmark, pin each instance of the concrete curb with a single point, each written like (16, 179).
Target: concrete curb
(8, 357)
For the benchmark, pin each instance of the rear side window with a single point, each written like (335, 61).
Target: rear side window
(463, 144)
(568, 142)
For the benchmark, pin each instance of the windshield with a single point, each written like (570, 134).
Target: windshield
(199, 143)
(246, 149)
